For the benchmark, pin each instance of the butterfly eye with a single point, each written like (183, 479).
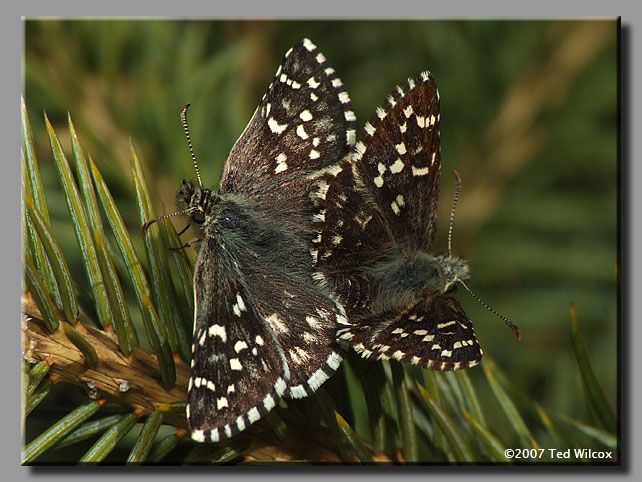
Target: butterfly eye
(198, 217)
(229, 220)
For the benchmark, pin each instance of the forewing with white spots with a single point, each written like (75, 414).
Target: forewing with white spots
(398, 158)
(303, 123)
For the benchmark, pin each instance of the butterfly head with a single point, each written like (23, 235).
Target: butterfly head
(208, 209)
(453, 270)
(195, 201)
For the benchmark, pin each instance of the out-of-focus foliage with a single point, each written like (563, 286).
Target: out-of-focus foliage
(528, 117)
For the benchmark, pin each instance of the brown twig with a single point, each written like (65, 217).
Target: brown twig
(132, 380)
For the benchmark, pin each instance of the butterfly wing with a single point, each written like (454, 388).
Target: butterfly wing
(303, 123)
(434, 333)
(303, 320)
(259, 333)
(386, 195)
(238, 373)
(399, 160)
(303, 127)
(351, 232)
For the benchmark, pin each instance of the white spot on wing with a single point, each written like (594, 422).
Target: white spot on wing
(445, 325)
(317, 379)
(279, 386)
(351, 136)
(280, 167)
(276, 323)
(369, 128)
(240, 345)
(305, 115)
(308, 45)
(300, 131)
(420, 171)
(218, 330)
(253, 415)
(298, 392)
(334, 360)
(397, 167)
(240, 424)
(313, 322)
(268, 402)
(275, 126)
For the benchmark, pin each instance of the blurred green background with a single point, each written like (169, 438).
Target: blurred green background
(529, 117)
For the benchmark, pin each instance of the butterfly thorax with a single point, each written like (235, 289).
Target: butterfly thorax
(238, 226)
(403, 277)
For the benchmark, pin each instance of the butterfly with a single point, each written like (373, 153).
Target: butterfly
(377, 224)
(263, 326)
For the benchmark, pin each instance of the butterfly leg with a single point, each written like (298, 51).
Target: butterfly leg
(188, 244)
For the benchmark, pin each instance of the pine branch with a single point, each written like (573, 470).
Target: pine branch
(132, 380)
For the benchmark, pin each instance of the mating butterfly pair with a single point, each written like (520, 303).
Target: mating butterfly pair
(315, 242)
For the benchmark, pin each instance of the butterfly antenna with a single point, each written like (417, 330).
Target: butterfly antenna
(452, 211)
(152, 221)
(189, 142)
(512, 325)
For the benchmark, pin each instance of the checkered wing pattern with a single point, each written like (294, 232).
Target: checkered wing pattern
(435, 333)
(303, 123)
(379, 221)
(253, 345)
(264, 328)
(399, 159)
